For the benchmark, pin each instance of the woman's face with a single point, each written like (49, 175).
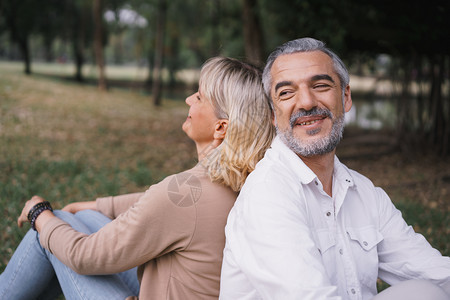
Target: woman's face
(201, 121)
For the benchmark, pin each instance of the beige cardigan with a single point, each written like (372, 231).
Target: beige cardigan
(174, 232)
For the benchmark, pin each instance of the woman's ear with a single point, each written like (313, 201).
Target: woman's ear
(221, 129)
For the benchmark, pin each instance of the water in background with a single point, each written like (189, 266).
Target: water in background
(372, 114)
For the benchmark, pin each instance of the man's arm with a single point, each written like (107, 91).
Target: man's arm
(270, 252)
(404, 254)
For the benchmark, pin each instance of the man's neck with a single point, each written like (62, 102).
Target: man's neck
(323, 167)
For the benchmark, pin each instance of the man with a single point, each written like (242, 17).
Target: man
(304, 225)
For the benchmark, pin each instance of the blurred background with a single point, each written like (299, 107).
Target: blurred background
(398, 49)
(90, 93)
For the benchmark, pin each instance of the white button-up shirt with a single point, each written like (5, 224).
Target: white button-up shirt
(288, 239)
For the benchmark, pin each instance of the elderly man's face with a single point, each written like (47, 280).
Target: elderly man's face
(308, 101)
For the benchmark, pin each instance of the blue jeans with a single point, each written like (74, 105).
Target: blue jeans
(34, 273)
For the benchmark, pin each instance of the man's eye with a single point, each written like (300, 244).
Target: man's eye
(284, 94)
(321, 86)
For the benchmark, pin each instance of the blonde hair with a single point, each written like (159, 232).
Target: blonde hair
(235, 91)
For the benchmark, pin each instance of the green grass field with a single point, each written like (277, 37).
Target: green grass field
(70, 142)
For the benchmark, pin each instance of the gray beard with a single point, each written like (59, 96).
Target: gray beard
(317, 147)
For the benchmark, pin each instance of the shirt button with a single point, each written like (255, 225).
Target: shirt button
(328, 214)
(353, 291)
(316, 182)
(341, 251)
(365, 243)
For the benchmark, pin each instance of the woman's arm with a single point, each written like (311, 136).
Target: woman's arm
(119, 245)
(113, 206)
(77, 206)
(43, 218)
(109, 206)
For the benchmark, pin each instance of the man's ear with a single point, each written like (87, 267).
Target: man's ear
(221, 129)
(347, 99)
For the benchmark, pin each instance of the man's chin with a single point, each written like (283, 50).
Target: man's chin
(309, 146)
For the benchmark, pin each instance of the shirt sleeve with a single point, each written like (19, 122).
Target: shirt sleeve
(120, 245)
(115, 205)
(271, 245)
(404, 254)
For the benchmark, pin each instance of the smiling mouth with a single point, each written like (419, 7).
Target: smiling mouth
(306, 118)
(310, 122)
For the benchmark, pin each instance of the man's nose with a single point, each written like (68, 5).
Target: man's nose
(306, 99)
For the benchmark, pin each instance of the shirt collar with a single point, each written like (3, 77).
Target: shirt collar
(293, 162)
(302, 171)
(342, 174)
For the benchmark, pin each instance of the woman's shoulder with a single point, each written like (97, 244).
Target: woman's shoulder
(190, 186)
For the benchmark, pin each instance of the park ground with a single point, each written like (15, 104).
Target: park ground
(70, 142)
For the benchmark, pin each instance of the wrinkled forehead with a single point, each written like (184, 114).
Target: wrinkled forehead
(301, 65)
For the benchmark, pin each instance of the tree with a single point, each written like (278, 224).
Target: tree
(98, 42)
(78, 30)
(20, 20)
(253, 35)
(159, 52)
(420, 51)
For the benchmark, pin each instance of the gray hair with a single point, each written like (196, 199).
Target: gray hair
(304, 45)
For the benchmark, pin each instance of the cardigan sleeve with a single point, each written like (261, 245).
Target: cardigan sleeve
(115, 205)
(152, 227)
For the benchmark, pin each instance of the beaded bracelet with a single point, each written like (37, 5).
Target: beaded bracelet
(34, 208)
(36, 211)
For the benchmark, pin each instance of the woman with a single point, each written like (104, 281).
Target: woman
(174, 232)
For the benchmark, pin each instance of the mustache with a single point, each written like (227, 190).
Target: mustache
(316, 111)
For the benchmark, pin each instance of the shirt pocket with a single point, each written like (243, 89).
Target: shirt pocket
(363, 244)
(325, 242)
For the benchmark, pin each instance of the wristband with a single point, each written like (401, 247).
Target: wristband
(37, 206)
(36, 210)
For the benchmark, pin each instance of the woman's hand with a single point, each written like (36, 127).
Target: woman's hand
(23, 218)
(77, 206)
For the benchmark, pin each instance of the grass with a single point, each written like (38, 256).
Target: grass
(69, 142)
(89, 70)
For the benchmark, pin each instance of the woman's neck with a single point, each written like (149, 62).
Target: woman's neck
(204, 149)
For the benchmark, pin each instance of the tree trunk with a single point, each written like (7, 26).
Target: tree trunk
(253, 35)
(151, 67)
(437, 117)
(404, 114)
(172, 63)
(79, 58)
(25, 50)
(446, 137)
(77, 35)
(420, 97)
(159, 52)
(10, 15)
(215, 25)
(98, 43)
